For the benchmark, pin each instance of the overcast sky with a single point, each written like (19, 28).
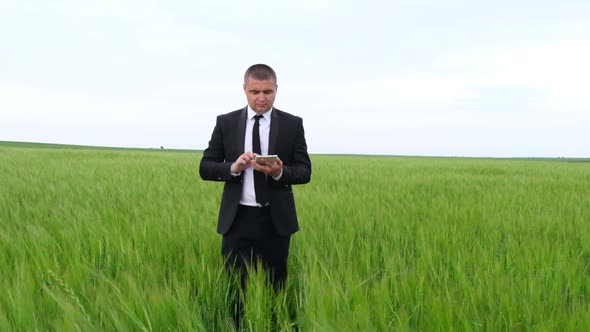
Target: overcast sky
(403, 77)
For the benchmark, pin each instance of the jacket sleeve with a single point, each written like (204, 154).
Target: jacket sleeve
(298, 169)
(213, 166)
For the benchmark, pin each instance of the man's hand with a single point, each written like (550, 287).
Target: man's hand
(244, 161)
(269, 168)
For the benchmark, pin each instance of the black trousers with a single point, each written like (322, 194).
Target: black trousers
(252, 238)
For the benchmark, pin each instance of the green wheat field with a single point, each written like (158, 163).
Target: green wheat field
(97, 239)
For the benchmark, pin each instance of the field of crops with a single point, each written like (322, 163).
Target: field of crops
(124, 240)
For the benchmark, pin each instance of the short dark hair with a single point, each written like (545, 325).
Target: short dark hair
(260, 72)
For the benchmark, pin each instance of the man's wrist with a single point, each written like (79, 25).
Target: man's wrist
(278, 177)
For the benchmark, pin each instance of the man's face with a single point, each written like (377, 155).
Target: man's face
(260, 94)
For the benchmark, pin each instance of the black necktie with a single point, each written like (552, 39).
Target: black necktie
(259, 177)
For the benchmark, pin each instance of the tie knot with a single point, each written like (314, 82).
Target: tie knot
(257, 117)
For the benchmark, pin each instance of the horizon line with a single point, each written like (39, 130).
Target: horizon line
(162, 148)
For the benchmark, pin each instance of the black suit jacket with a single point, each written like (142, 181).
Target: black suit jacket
(286, 139)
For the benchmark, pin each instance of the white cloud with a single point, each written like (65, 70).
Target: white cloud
(559, 69)
(422, 91)
(425, 92)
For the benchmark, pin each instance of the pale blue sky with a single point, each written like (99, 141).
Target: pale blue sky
(433, 78)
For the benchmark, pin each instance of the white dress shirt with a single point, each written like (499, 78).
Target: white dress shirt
(248, 194)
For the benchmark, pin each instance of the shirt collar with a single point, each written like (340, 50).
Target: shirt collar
(265, 115)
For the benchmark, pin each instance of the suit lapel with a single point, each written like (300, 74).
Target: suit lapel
(242, 129)
(274, 131)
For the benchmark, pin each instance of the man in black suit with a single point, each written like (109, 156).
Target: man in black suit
(257, 214)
